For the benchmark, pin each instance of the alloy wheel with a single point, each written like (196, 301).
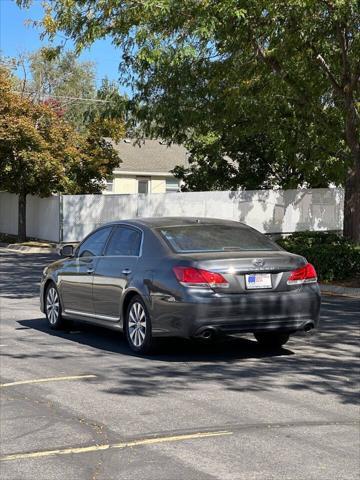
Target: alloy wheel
(52, 305)
(137, 324)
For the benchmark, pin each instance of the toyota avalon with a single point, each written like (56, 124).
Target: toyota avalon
(182, 277)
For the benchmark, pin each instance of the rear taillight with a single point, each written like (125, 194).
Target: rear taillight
(196, 277)
(306, 274)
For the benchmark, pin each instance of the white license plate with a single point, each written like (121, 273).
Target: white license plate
(258, 280)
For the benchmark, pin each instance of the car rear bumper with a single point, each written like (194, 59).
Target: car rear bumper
(259, 311)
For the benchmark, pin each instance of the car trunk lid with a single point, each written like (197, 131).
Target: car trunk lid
(235, 266)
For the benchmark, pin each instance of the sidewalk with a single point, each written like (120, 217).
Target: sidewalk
(339, 290)
(20, 248)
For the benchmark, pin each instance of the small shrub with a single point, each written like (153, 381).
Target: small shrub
(6, 238)
(334, 257)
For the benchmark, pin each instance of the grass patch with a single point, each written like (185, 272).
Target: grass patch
(12, 239)
(37, 244)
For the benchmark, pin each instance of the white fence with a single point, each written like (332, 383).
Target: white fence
(70, 217)
(42, 216)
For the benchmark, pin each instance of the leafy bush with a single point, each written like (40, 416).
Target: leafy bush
(5, 238)
(334, 257)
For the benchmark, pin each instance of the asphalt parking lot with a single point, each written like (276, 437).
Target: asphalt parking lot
(79, 405)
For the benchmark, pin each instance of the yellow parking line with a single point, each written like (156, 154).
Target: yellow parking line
(43, 380)
(96, 448)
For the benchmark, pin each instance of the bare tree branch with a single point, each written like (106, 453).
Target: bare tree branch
(22, 64)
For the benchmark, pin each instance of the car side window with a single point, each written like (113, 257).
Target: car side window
(93, 246)
(124, 242)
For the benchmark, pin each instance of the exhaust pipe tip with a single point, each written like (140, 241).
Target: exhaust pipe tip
(308, 327)
(207, 334)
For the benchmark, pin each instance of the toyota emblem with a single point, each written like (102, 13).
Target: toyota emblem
(258, 262)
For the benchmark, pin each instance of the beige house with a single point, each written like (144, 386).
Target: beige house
(145, 168)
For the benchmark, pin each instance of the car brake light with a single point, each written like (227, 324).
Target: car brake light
(306, 274)
(196, 277)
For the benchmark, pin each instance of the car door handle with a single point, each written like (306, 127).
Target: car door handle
(90, 270)
(126, 271)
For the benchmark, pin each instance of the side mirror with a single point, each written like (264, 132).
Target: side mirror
(67, 251)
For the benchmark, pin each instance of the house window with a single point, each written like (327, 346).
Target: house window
(109, 185)
(143, 185)
(172, 185)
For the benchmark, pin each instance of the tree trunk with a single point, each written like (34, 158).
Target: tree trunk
(22, 217)
(352, 205)
(352, 182)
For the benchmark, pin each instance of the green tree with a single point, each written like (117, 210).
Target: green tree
(224, 162)
(62, 81)
(291, 68)
(66, 79)
(107, 114)
(41, 153)
(71, 83)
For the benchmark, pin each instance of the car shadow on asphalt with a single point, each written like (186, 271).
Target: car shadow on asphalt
(169, 349)
(325, 363)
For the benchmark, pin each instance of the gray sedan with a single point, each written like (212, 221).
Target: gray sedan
(182, 277)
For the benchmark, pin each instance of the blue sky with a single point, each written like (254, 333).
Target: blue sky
(16, 37)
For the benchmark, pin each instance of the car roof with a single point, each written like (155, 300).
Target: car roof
(156, 222)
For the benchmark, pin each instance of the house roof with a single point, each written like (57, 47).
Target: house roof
(149, 156)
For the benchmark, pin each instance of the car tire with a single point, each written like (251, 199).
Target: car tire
(272, 339)
(138, 326)
(53, 310)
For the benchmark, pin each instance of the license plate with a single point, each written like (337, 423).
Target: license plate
(258, 280)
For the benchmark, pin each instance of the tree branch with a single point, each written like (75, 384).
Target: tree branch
(22, 65)
(320, 59)
(274, 64)
(278, 69)
(343, 40)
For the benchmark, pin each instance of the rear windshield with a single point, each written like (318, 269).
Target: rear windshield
(215, 238)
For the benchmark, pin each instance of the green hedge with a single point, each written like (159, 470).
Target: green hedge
(333, 257)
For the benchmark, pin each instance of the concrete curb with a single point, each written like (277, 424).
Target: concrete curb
(339, 290)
